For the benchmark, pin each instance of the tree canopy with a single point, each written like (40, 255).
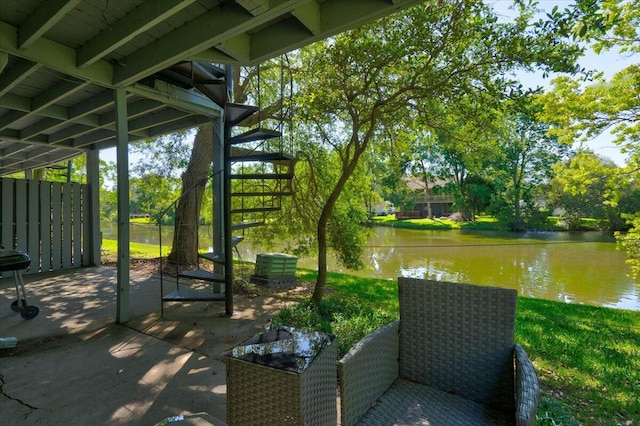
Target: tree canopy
(581, 110)
(433, 62)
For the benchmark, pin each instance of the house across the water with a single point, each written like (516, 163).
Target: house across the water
(432, 193)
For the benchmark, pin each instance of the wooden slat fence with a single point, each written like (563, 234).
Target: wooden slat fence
(47, 221)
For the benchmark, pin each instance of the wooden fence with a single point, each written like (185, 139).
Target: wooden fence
(47, 220)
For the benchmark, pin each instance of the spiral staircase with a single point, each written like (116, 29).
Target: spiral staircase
(256, 168)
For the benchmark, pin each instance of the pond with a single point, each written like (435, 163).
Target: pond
(580, 268)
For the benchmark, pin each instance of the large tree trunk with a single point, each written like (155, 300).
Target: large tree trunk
(323, 247)
(184, 250)
(428, 195)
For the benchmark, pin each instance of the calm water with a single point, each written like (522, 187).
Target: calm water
(577, 268)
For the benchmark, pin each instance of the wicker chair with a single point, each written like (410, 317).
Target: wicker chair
(449, 360)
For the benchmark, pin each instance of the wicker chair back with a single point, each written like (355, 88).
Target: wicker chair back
(459, 338)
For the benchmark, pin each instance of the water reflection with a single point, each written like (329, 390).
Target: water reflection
(569, 267)
(584, 269)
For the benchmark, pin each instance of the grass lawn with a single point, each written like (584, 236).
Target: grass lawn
(482, 223)
(587, 358)
(137, 250)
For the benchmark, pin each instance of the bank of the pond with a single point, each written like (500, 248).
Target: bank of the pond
(587, 358)
(481, 223)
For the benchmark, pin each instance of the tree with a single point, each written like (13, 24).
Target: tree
(581, 188)
(630, 243)
(423, 163)
(360, 83)
(356, 84)
(389, 162)
(524, 162)
(315, 172)
(150, 194)
(167, 156)
(582, 111)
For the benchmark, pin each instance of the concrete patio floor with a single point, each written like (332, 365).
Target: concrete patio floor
(74, 365)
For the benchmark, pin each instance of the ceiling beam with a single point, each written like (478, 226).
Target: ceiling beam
(91, 104)
(188, 122)
(42, 101)
(46, 124)
(46, 15)
(14, 136)
(74, 113)
(55, 56)
(70, 132)
(4, 60)
(209, 29)
(21, 103)
(104, 135)
(18, 72)
(106, 121)
(8, 119)
(142, 107)
(55, 93)
(157, 118)
(335, 16)
(212, 55)
(309, 15)
(176, 97)
(342, 15)
(12, 101)
(278, 38)
(136, 22)
(255, 7)
(34, 158)
(13, 148)
(238, 47)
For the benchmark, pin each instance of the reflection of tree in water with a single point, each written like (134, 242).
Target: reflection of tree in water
(284, 348)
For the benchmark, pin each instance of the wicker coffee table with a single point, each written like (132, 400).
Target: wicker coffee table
(281, 377)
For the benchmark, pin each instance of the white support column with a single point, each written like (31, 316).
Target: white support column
(123, 306)
(91, 212)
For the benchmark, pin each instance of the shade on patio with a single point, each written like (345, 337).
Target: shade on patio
(78, 76)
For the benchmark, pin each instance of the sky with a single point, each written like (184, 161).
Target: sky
(607, 62)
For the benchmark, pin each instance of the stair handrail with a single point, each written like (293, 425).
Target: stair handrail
(159, 224)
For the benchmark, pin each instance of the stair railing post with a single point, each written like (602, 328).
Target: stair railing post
(228, 244)
(218, 190)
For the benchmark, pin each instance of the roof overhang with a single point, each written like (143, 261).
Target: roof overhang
(61, 59)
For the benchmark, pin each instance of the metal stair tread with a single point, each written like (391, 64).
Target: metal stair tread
(245, 225)
(262, 194)
(262, 176)
(201, 274)
(237, 113)
(183, 295)
(212, 257)
(257, 134)
(257, 209)
(262, 156)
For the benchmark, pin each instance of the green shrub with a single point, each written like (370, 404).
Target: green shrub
(349, 321)
(552, 412)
